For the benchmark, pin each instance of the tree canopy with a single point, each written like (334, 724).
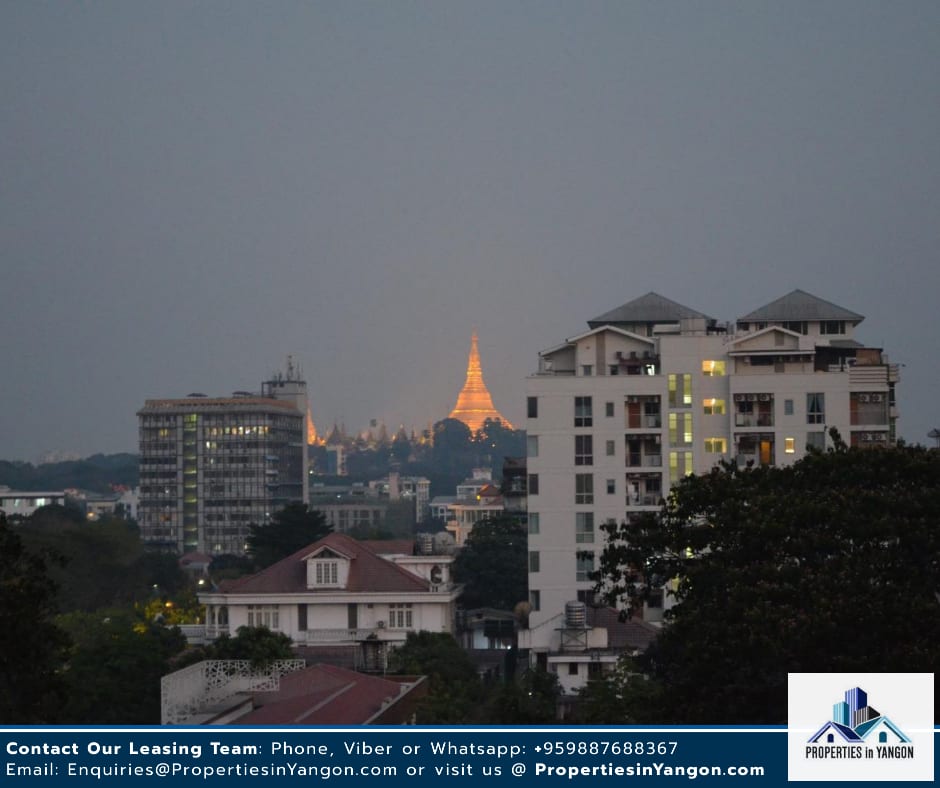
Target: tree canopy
(832, 563)
(31, 645)
(292, 528)
(492, 565)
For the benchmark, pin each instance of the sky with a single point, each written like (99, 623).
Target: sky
(193, 191)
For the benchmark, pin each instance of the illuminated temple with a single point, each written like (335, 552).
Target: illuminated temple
(474, 403)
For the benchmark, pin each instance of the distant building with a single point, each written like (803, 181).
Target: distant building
(210, 467)
(654, 391)
(20, 503)
(474, 403)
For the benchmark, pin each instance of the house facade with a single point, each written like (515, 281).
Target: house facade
(341, 592)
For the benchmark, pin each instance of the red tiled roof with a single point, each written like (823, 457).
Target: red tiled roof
(368, 572)
(322, 695)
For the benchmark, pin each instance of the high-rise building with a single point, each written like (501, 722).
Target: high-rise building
(210, 467)
(653, 391)
(474, 403)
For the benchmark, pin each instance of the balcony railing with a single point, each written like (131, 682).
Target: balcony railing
(352, 635)
(753, 420)
(644, 460)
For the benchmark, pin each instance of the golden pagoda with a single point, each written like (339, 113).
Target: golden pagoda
(474, 403)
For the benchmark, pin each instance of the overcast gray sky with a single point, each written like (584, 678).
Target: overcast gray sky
(190, 191)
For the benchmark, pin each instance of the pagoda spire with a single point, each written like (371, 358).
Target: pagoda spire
(474, 403)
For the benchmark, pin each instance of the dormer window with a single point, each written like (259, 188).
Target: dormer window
(327, 569)
(327, 573)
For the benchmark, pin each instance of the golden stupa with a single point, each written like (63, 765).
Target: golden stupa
(474, 403)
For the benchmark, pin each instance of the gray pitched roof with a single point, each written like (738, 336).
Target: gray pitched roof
(800, 305)
(650, 308)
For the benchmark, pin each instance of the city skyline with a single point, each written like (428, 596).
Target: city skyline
(193, 193)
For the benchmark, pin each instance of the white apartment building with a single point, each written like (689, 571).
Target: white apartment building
(653, 391)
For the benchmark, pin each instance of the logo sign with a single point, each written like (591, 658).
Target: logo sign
(875, 726)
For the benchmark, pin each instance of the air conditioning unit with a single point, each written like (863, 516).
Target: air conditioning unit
(765, 397)
(877, 397)
(633, 400)
(751, 397)
(739, 398)
(863, 398)
(380, 625)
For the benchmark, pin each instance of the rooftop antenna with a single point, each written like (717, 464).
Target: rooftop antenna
(935, 434)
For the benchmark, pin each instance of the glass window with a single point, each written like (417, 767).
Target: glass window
(788, 407)
(532, 445)
(789, 445)
(583, 450)
(583, 412)
(535, 600)
(584, 565)
(327, 573)
(584, 488)
(611, 486)
(713, 369)
(716, 445)
(611, 448)
(534, 561)
(400, 616)
(832, 327)
(816, 408)
(609, 410)
(713, 407)
(532, 407)
(587, 370)
(533, 522)
(533, 484)
(816, 440)
(584, 527)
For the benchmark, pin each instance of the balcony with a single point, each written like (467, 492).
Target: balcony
(319, 637)
(638, 460)
(753, 420)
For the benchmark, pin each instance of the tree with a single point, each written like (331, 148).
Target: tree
(259, 645)
(455, 688)
(492, 564)
(532, 699)
(31, 645)
(832, 563)
(113, 672)
(291, 529)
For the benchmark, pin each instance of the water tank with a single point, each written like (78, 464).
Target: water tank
(425, 544)
(575, 615)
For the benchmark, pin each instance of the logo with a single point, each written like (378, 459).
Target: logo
(860, 727)
(854, 723)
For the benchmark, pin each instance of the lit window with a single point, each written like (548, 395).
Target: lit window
(789, 445)
(713, 407)
(716, 446)
(713, 369)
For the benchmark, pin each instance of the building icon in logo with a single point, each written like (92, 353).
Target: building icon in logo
(854, 721)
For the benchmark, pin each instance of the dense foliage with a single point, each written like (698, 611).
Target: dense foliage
(832, 563)
(291, 529)
(492, 565)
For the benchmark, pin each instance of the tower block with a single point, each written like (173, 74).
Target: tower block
(474, 403)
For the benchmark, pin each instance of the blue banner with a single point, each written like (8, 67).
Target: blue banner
(421, 755)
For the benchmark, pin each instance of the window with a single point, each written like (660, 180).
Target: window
(611, 486)
(263, 616)
(680, 429)
(713, 407)
(534, 563)
(832, 327)
(788, 407)
(532, 407)
(533, 522)
(713, 369)
(533, 484)
(799, 326)
(302, 618)
(572, 668)
(532, 445)
(611, 448)
(584, 565)
(584, 488)
(584, 527)
(680, 390)
(535, 600)
(583, 412)
(327, 573)
(609, 410)
(400, 616)
(816, 408)
(655, 600)
(587, 370)
(583, 450)
(680, 464)
(716, 446)
(816, 440)
(789, 445)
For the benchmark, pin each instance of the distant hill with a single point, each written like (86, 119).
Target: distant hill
(96, 473)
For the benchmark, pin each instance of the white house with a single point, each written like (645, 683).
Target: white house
(340, 592)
